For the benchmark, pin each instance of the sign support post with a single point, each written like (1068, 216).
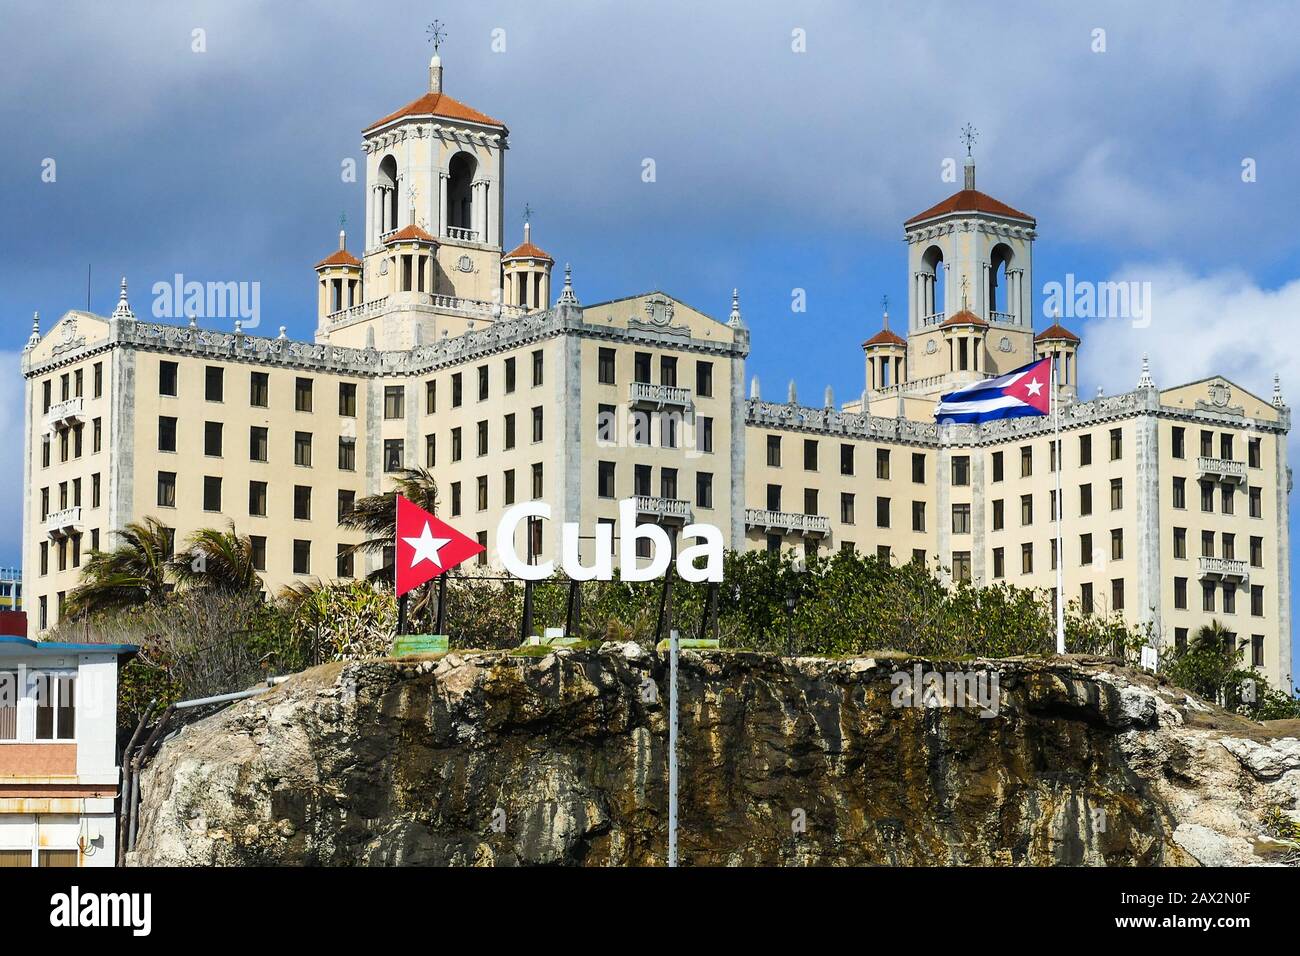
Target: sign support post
(672, 747)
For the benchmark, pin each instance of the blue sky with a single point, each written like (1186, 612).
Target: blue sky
(776, 170)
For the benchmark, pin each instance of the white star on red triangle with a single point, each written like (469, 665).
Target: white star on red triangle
(427, 547)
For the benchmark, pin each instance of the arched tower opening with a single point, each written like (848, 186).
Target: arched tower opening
(460, 192)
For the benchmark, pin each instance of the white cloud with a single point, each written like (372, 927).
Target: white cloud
(1219, 323)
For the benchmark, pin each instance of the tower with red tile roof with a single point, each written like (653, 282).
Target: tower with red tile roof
(970, 298)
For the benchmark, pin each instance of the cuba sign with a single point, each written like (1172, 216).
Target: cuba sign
(710, 547)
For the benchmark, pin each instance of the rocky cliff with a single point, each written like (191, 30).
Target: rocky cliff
(499, 759)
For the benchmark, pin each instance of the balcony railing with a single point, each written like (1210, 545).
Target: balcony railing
(466, 235)
(671, 509)
(67, 412)
(1006, 318)
(65, 522)
(788, 522)
(1226, 568)
(644, 393)
(934, 318)
(1224, 469)
(357, 311)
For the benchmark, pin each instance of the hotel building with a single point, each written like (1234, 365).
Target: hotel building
(438, 347)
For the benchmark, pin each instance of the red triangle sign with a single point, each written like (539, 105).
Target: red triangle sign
(426, 546)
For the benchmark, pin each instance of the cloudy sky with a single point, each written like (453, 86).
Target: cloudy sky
(776, 168)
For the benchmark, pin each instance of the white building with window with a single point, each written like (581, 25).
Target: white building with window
(59, 775)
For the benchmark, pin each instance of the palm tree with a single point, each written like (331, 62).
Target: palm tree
(376, 515)
(133, 573)
(222, 560)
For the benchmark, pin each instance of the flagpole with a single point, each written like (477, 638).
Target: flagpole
(1058, 452)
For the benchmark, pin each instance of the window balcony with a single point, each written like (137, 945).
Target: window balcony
(66, 413)
(663, 509)
(1221, 469)
(787, 522)
(934, 318)
(464, 235)
(641, 394)
(1224, 569)
(60, 524)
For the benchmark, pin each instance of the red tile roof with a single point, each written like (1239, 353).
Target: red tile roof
(1056, 331)
(964, 317)
(411, 233)
(971, 200)
(339, 257)
(883, 337)
(526, 250)
(437, 104)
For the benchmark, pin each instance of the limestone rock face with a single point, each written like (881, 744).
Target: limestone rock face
(493, 759)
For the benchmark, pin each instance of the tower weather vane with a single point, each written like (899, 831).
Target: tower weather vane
(528, 212)
(436, 34)
(969, 134)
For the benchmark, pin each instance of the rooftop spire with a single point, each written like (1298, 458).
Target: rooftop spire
(123, 310)
(1277, 392)
(734, 319)
(1145, 380)
(567, 296)
(35, 338)
(437, 33)
(969, 134)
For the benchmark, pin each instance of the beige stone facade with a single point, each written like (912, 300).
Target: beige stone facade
(438, 347)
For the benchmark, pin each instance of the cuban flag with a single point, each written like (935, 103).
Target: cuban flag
(1026, 391)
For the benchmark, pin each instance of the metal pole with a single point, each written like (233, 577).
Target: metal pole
(441, 627)
(572, 607)
(401, 613)
(526, 625)
(672, 748)
(1060, 507)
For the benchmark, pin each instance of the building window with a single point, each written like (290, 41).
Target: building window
(1229, 598)
(1085, 450)
(774, 451)
(537, 367)
(259, 389)
(257, 443)
(704, 379)
(537, 480)
(1117, 544)
(214, 383)
(211, 493)
(846, 459)
(705, 424)
(773, 496)
(1226, 497)
(1179, 442)
(918, 468)
(1026, 461)
(257, 498)
(605, 479)
(302, 394)
(508, 491)
(166, 433)
(846, 508)
(999, 514)
(212, 439)
(1116, 444)
(537, 423)
(455, 498)
(302, 502)
(961, 567)
(1027, 558)
(918, 515)
(668, 371)
(810, 501)
(348, 399)
(1180, 542)
(481, 492)
(1116, 494)
(882, 512)
(302, 449)
(1026, 509)
(1252, 452)
(668, 482)
(97, 439)
(704, 489)
(997, 466)
(1256, 552)
(510, 375)
(1180, 593)
(999, 563)
(1117, 594)
(394, 402)
(1085, 499)
(94, 490)
(1257, 600)
(393, 454)
(56, 706)
(1256, 504)
(810, 454)
(456, 444)
(1180, 493)
(605, 367)
(98, 377)
(961, 470)
(301, 557)
(347, 503)
(347, 454)
(344, 566)
(1257, 650)
(430, 397)
(167, 489)
(481, 436)
(1207, 495)
(1085, 599)
(882, 464)
(961, 519)
(167, 375)
(482, 383)
(1207, 596)
(430, 450)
